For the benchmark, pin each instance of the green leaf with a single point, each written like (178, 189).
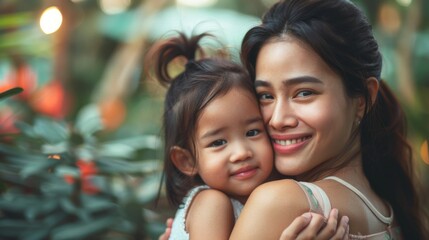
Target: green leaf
(140, 142)
(72, 209)
(88, 120)
(95, 204)
(15, 203)
(148, 190)
(15, 228)
(10, 92)
(42, 207)
(83, 229)
(50, 130)
(37, 167)
(56, 187)
(35, 234)
(26, 129)
(56, 148)
(118, 150)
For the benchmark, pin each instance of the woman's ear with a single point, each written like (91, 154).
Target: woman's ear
(183, 160)
(372, 85)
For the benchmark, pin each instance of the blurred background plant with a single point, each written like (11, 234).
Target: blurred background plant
(79, 148)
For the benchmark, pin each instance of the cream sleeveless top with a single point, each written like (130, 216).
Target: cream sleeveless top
(178, 231)
(319, 203)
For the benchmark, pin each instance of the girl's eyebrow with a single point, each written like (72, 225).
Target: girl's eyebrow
(290, 82)
(212, 132)
(218, 130)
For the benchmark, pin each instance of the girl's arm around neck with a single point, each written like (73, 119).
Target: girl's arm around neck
(269, 210)
(210, 216)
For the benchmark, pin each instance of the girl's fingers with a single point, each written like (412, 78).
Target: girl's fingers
(292, 231)
(167, 232)
(169, 222)
(333, 230)
(330, 229)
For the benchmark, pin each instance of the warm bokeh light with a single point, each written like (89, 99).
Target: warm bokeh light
(197, 3)
(113, 113)
(114, 6)
(389, 18)
(51, 20)
(51, 100)
(424, 152)
(404, 3)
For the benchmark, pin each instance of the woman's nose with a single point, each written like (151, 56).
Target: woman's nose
(283, 117)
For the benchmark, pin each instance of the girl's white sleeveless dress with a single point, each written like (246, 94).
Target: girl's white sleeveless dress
(178, 231)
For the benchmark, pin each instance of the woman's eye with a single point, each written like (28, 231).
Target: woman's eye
(264, 96)
(252, 133)
(217, 143)
(304, 93)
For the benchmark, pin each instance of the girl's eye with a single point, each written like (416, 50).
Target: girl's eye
(264, 96)
(217, 143)
(304, 93)
(252, 133)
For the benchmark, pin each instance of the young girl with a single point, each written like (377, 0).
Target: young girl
(215, 140)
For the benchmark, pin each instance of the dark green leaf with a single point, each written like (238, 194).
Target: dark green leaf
(35, 234)
(10, 92)
(26, 129)
(37, 167)
(43, 207)
(72, 209)
(94, 204)
(83, 229)
(88, 120)
(50, 130)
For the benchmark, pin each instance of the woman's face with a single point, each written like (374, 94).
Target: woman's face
(304, 105)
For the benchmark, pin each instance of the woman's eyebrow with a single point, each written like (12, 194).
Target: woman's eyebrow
(301, 79)
(261, 83)
(290, 81)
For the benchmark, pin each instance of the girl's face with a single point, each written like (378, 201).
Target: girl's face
(234, 154)
(306, 110)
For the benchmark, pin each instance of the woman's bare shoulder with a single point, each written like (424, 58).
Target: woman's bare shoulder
(285, 193)
(270, 209)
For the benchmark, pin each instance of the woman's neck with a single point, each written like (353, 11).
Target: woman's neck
(348, 162)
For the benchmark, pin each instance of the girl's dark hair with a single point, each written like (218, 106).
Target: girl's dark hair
(188, 94)
(342, 36)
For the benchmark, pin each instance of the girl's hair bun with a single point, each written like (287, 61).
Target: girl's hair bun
(164, 52)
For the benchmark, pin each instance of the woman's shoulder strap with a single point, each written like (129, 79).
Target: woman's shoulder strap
(381, 217)
(317, 198)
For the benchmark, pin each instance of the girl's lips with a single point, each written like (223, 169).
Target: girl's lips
(244, 173)
(290, 144)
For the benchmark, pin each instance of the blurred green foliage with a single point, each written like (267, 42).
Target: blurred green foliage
(80, 154)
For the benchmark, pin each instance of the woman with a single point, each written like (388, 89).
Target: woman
(332, 121)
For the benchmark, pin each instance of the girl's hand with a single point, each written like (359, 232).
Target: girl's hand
(167, 232)
(313, 226)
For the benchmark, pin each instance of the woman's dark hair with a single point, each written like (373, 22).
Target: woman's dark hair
(188, 94)
(341, 35)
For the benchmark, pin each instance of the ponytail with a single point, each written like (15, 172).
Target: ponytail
(388, 164)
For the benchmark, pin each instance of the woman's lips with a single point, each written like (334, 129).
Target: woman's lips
(289, 144)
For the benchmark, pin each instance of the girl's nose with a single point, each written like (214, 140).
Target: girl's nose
(241, 152)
